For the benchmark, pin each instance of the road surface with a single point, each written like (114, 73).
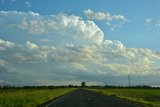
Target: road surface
(85, 98)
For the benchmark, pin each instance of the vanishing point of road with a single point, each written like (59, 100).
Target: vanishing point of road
(85, 98)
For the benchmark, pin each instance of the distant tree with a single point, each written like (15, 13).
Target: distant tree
(70, 86)
(83, 84)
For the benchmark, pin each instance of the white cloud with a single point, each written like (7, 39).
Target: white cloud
(153, 22)
(148, 21)
(111, 54)
(80, 67)
(111, 57)
(111, 20)
(128, 60)
(34, 26)
(27, 3)
(4, 44)
(31, 45)
(67, 45)
(63, 27)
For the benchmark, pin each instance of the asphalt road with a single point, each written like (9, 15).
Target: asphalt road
(84, 98)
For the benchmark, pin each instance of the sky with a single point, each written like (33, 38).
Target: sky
(65, 42)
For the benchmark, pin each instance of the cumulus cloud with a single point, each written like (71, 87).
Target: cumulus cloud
(111, 20)
(110, 58)
(34, 26)
(58, 45)
(6, 44)
(94, 59)
(61, 26)
(30, 45)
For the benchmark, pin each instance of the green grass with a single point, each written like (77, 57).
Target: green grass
(145, 97)
(29, 97)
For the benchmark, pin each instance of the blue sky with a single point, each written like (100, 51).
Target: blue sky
(110, 39)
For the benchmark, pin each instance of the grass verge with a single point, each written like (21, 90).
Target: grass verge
(29, 97)
(143, 97)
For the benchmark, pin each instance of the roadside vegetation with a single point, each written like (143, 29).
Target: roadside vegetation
(145, 96)
(30, 96)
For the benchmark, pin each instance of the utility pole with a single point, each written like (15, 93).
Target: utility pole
(18, 83)
(129, 80)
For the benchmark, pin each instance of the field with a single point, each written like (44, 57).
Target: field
(29, 97)
(145, 97)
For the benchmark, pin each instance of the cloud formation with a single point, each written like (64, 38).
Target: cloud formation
(111, 20)
(5, 44)
(153, 22)
(64, 27)
(148, 21)
(70, 46)
(27, 3)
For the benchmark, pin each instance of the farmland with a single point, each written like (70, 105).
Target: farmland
(145, 97)
(29, 97)
(32, 97)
